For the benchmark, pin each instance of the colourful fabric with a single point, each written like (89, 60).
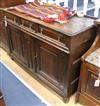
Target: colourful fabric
(36, 10)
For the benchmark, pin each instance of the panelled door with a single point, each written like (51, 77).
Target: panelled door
(51, 64)
(22, 47)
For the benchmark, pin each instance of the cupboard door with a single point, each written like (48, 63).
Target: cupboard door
(22, 47)
(51, 64)
(16, 39)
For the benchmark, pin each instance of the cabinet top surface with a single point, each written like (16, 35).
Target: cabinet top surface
(75, 25)
(94, 58)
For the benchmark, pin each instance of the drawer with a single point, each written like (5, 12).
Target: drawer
(13, 18)
(33, 26)
(25, 23)
(10, 16)
(57, 36)
(90, 88)
(50, 33)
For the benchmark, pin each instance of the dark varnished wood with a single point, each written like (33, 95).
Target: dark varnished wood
(51, 65)
(67, 29)
(50, 51)
(3, 33)
(22, 47)
(87, 94)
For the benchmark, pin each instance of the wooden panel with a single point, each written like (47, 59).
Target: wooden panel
(59, 37)
(50, 33)
(51, 64)
(22, 48)
(17, 39)
(29, 51)
(90, 88)
(87, 102)
(33, 26)
(88, 93)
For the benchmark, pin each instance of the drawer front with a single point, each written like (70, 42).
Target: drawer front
(57, 36)
(31, 25)
(10, 16)
(22, 22)
(51, 65)
(90, 88)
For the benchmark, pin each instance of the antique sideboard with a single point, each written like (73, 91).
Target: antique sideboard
(88, 92)
(50, 51)
(3, 33)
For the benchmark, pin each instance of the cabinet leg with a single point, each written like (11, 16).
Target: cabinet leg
(12, 58)
(66, 100)
(76, 98)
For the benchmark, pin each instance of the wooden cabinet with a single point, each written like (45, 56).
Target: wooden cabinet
(89, 84)
(50, 51)
(88, 93)
(3, 33)
(48, 62)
